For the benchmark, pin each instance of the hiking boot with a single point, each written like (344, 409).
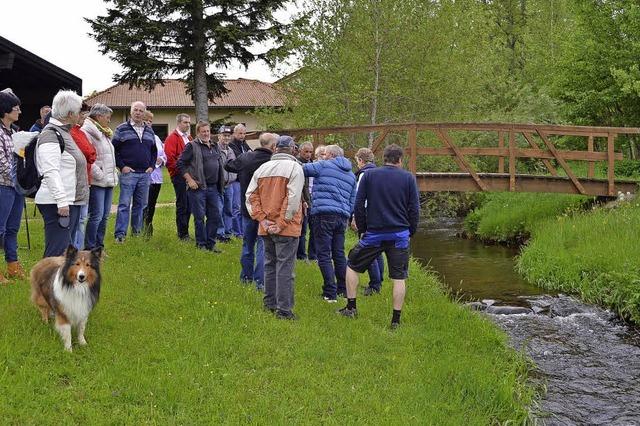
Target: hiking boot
(15, 270)
(347, 312)
(286, 315)
(370, 291)
(394, 325)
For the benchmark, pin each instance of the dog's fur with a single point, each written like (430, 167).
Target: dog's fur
(68, 287)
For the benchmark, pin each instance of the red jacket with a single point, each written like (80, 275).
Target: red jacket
(80, 138)
(173, 147)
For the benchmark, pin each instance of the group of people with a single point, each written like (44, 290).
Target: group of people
(271, 197)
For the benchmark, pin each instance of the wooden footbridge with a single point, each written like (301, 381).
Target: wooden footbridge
(510, 143)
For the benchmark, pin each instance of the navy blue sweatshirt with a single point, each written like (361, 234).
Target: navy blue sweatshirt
(131, 151)
(392, 201)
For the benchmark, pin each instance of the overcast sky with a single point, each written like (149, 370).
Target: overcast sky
(56, 31)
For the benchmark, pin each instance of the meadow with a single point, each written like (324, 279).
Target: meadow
(176, 339)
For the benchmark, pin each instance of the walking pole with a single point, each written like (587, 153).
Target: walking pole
(26, 222)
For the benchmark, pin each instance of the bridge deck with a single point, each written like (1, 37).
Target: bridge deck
(499, 182)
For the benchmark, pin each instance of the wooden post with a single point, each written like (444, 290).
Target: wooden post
(512, 161)
(413, 149)
(500, 159)
(590, 146)
(611, 163)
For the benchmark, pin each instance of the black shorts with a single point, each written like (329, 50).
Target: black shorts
(397, 258)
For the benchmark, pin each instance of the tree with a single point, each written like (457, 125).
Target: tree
(155, 38)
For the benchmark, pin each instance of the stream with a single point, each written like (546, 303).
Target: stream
(587, 359)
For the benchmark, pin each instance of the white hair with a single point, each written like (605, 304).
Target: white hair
(100, 109)
(307, 143)
(334, 150)
(65, 102)
(239, 127)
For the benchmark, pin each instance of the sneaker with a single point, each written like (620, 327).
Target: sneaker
(347, 312)
(394, 325)
(330, 299)
(286, 315)
(119, 240)
(370, 291)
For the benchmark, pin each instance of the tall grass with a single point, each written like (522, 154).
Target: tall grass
(594, 254)
(176, 339)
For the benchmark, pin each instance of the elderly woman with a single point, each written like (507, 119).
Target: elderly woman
(64, 188)
(104, 176)
(11, 202)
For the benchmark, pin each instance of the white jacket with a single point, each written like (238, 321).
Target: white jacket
(103, 171)
(58, 171)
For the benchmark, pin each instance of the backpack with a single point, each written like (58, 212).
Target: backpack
(26, 177)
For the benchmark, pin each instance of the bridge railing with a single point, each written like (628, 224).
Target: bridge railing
(538, 140)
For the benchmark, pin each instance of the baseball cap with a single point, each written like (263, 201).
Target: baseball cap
(225, 129)
(285, 142)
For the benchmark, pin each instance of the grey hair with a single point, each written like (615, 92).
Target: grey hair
(65, 102)
(100, 109)
(334, 150)
(268, 139)
(182, 116)
(239, 126)
(307, 143)
(319, 149)
(366, 155)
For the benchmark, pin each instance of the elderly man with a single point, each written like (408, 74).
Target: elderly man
(274, 200)
(387, 212)
(201, 166)
(135, 149)
(226, 198)
(334, 192)
(173, 146)
(305, 155)
(239, 147)
(245, 166)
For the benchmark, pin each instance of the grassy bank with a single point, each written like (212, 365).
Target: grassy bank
(176, 339)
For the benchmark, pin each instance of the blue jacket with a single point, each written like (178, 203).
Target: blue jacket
(132, 152)
(387, 201)
(334, 186)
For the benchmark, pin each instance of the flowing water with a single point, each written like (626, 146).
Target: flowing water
(588, 361)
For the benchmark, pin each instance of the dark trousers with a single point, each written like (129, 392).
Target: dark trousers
(57, 238)
(205, 203)
(183, 211)
(328, 232)
(302, 252)
(150, 210)
(311, 253)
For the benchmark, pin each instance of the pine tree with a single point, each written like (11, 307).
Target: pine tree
(155, 38)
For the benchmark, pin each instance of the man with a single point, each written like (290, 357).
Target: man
(387, 211)
(135, 149)
(39, 124)
(239, 147)
(274, 200)
(245, 166)
(226, 198)
(173, 146)
(305, 155)
(365, 161)
(201, 166)
(334, 192)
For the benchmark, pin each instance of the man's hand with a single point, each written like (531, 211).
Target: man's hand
(126, 169)
(354, 226)
(274, 229)
(192, 184)
(266, 224)
(63, 211)
(159, 162)
(149, 170)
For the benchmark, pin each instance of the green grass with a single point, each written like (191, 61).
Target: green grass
(510, 217)
(176, 339)
(594, 254)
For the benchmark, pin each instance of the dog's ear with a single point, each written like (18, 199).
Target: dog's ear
(96, 253)
(71, 251)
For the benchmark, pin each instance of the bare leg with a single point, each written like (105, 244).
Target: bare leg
(399, 290)
(81, 340)
(352, 283)
(64, 329)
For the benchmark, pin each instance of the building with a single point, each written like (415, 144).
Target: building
(170, 99)
(34, 80)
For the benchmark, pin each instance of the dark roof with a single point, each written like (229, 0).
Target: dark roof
(243, 93)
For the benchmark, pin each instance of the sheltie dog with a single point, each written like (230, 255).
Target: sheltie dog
(67, 287)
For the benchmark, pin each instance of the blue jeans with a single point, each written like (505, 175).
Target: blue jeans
(205, 203)
(11, 205)
(328, 232)
(226, 211)
(78, 238)
(56, 238)
(237, 225)
(376, 273)
(250, 272)
(134, 187)
(99, 210)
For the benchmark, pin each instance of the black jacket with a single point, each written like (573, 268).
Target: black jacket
(239, 147)
(245, 165)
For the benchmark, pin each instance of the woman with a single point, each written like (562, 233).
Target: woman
(11, 202)
(64, 188)
(104, 176)
(89, 152)
(156, 181)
